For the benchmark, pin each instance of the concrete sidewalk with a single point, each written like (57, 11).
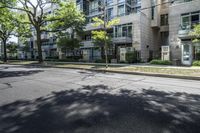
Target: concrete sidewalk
(180, 72)
(128, 65)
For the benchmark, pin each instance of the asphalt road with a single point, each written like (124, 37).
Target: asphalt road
(51, 100)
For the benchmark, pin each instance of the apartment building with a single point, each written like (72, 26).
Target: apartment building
(134, 32)
(152, 28)
(183, 15)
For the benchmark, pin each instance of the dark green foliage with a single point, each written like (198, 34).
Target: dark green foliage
(26, 47)
(100, 61)
(67, 59)
(131, 57)
(12, 48)
(196, 63)
(123, 62)
(161, 62)
(198, 56)
(52, 57)
(68, 44)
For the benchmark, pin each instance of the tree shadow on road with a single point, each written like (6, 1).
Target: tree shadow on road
(6, 74)
(100, 109)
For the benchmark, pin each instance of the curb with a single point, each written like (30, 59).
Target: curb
(135, 73)
(121, 72)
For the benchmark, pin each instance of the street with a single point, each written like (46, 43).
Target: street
(52, 100)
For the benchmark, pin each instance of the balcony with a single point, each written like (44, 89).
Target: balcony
(185, 30)
(181, 1)
(122, 37)
(44, 37)
(87, 44)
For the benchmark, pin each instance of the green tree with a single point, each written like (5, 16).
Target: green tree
(196, 33)
(67, 16)
(67, 44)
(9, 26)
(6, 29)
(102, 35)
(25, 48)
(64, 17)
(12, 48)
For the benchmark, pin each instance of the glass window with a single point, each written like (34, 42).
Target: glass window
(164, 19)
(110, 13)
(185, 22)
(121, 1)
(195, 19)
(188, 20)
(121, 11)
(123, 30)
(93, 7)
(109, 2)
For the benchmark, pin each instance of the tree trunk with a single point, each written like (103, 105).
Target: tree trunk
(5, 52)
(106, 55)
(105, 40)
(39, 45)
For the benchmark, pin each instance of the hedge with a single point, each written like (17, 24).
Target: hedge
(161, 62)
(196, 63)
(131, 57)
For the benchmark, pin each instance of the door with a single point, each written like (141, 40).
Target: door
(186, 54)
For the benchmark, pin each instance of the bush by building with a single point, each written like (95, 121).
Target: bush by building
(161, 62)
(198, 56)
(131, 57)
(196, 63)
(100, 61)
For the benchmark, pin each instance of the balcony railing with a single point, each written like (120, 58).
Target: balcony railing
(122, 34)
(181, 1)
(185, 30)
(122, 37)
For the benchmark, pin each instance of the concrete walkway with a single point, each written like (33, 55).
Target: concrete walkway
(129, 65)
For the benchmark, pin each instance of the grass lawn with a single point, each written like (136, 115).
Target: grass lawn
(73, 66)
(158, 70)
(15, 62)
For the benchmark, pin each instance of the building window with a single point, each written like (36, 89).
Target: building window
(121, 1)
(153, 3)
(94, 7)
(164, 19)
(189, 20)
(124, 30)
(110, 13)
(187, 0)
(121, 11)
(109, 2)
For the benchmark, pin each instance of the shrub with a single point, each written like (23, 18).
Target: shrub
(131, 57)
(196, 63)
(67, 59)
(100, 61)
(123, 62)
(52, 57)
(198, 56)
(161, 62)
